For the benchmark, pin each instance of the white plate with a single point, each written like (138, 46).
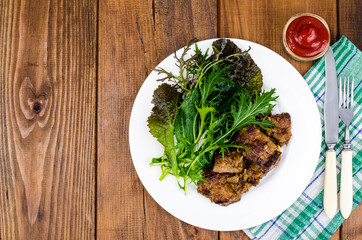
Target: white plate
(276, 191)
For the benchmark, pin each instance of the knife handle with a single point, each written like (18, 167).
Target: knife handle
(346, 194)
(330, 185)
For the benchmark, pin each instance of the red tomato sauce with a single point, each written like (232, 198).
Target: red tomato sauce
(306, 36)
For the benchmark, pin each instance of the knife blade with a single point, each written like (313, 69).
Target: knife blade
(331, 100)
(331, 122)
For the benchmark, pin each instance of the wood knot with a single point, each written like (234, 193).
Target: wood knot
(37, 108)
(34, 106)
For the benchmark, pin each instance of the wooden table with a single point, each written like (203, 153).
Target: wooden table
(69, 73)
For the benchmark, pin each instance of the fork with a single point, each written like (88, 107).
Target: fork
(345, 110)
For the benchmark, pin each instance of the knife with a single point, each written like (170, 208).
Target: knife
(331, 134)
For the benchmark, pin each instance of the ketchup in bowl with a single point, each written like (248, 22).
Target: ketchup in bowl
(306, 37)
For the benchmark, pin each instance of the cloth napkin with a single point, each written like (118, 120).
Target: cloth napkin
(306, 219)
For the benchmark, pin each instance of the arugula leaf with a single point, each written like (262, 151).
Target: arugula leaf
(186, 117)
(245, 110)
(220, 130)
(162, 119)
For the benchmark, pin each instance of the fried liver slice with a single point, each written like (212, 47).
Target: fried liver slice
(253, 172)
(237, 172)
(259, 146)
(227, 188)
(281, 132)
(231, 162)
(221, 188)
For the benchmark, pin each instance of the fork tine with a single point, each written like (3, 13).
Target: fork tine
(348, 103)
(352, 90)
(345, 93)
(340, 93)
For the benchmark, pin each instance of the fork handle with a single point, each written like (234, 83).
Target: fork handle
(346, 194)
(330, 185)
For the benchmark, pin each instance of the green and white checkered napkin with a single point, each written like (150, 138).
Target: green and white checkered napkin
(306, 219)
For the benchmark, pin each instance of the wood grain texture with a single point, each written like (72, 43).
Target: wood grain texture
(350, 20)
(47, 104)
(121, 69)
(336, 235)
(176, 23)
(263, 21)
(134, 37)
(352, 226)
(230, 235)
(146, 32)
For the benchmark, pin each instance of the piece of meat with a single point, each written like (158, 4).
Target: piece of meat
(260, 147)
(227, 188)
(221, 188)
(232, 162)
(253, 172)
(281, 132)
(237, 172)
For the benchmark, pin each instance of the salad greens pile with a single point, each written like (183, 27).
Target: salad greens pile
(199, 112)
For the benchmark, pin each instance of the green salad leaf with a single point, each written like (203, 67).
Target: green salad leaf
(208, 102)
(243, 69)
(186, 118)
(161, 122)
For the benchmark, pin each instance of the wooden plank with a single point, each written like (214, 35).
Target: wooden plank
(134, 37)
(176, 23)
(47, 103)
(350, 20)
(240, 235)
(121, 68)
(336, 235)
(263, 22)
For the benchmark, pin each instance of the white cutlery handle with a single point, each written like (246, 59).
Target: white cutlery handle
(330, 185)
(346, 194)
